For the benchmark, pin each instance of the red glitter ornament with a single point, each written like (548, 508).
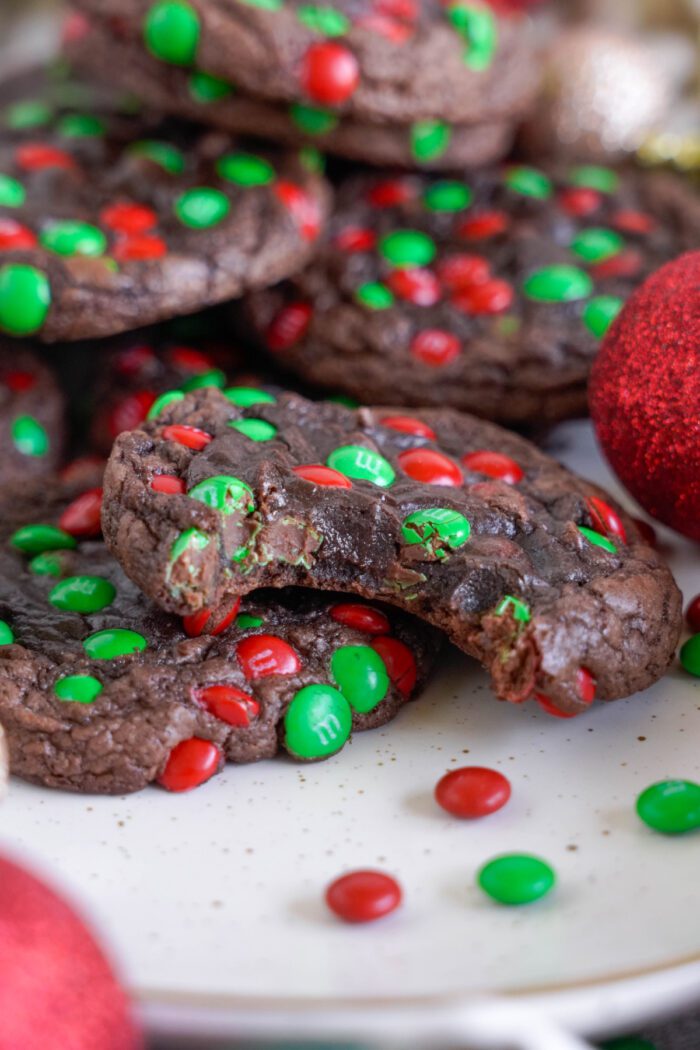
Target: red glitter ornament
(48, 961)
(645, 395)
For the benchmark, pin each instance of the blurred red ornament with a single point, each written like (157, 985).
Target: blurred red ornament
(56, 987)
(645, 395)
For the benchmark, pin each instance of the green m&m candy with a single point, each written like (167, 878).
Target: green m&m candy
(407, 248)
(593, 177)
(264, 5)
(206, 89)
(597, 539)
(361, 675)
(25, 298)
(83, 594)
(245, 169)
(29, 437)
(74, 238)
(597, 244)
(202, 207)
(435, 526)
(35, 539)
(529, 182)
(600, 312)
(171, 31)
(78, 688)
(29, 113)
(245, 396)
(429, 139)
(6, 635)
(323, 19)
(165, 155)
(312, 120)
(516, 878)
(12, 192)
(111, 644)
(690, 655)
(214, 377)
(168, 398)
(558, 284)
(671, 806)
(254, 429)
(187, 541)
(375, 295)
(244, 621)
(224, 493)
(80, 125)
(317, 723)
(362, 464)
(477, 26)
(46, 564)
(516, 606)
(447, 196)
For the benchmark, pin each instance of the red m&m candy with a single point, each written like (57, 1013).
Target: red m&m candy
(430, 467)
(190, 764)
(361, 617)
(262, 655)
(128, 218)
(318, 474)
(363, 896)
(692, 614)
(494, 465)
(302, 207)
(288, 326)
(81, 518)
(15, 236)
(487, 224)
(435, 347)
(417, 286)
(400, 663)
(330, 73)
(473, 791)
(229, 704)
(605, 519)
(203, 622)
(190, 437)
(409, 425)
(168, 484)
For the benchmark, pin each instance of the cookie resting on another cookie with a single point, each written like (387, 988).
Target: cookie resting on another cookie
(100, 51)
(110, 221)
(373, 60)
(530, 569)
(100, 691)
(489, 294)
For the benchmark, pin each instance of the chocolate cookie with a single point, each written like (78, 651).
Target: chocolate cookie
(133, 375)
(373, 60)
(431, 144)
(110, 221)
(526, 567)
(31, 416)
(488, 295)
(100, 691)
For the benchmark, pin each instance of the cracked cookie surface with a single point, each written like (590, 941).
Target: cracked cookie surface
(488, 293)
(99, 688)
(530, 569)
(111, 220)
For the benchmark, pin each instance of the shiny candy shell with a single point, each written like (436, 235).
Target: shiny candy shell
(516, 878)
(671, 806)
(190, 764)
(317, 722)
(363, 896)
(473, 791)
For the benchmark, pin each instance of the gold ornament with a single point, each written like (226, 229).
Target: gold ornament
(603, 94)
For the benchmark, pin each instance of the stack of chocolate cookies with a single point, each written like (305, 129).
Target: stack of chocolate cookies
(260, 568)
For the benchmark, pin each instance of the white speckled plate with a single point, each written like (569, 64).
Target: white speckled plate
(213, 899)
